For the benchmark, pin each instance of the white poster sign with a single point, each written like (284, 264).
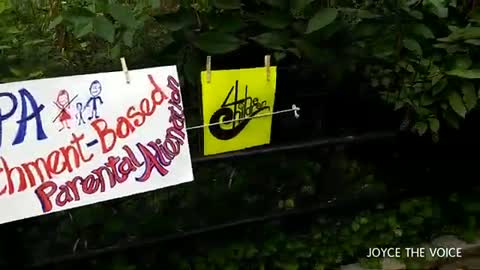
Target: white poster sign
(72, 141)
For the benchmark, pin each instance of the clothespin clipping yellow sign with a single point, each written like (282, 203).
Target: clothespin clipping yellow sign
(234, 105)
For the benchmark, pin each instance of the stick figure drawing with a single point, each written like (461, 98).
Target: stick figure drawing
(63, 104)
(95, 90)
(79, 115)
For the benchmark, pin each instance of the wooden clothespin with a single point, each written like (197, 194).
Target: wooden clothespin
(267, 66)
(125, 69)
(295, 111)
(209, 69)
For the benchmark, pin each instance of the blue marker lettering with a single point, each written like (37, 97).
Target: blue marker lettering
(25, 117)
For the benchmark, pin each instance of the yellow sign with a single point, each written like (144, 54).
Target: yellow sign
(235, 99)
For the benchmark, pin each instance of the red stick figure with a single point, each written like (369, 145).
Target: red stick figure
(63, 104)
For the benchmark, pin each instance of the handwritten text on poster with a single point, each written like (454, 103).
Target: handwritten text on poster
(73, 141)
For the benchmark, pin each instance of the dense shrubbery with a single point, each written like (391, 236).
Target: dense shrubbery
(421, 57)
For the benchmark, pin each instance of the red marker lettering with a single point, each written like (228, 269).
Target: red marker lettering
(156, 155)
(29, 174)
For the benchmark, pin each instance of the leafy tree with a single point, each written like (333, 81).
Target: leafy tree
(420, 57)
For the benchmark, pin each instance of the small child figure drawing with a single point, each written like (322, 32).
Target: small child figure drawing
(79, 114)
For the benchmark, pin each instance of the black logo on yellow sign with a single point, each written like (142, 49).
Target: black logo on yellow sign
(235, 111)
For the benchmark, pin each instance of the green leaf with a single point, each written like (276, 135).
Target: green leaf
(456, 103)
(287, 265)
(434, 124)
(227, 23)
(115, 52)
(439, 10)
(412, 45)
(103, 28)
(102, 6)
(85, 30)
(55, 22)
(467, 74)
(475, 42)
(277, 3)
(36, 74)
(462, 62)
(11, 30)
(452, 28)
(451, 119)
(173, 25)
(123, 14)
(421, 127)
(289, 203)
(4, 5)
(422, 30)
(218, 43)
(426, 100)
(416, 14)
(440, 86)
(360, 13)
(272, 40)
(471, 32)
(34, 42)
(17, 72)
(156, 4)
(398, 105)
(469, 95)
(278, 56)
(442, 12)
(437, 3)
(128, 36)
(298, 6)
(177, 21)
(274, 19)
(321, 19)
(295, 51)
(227, 4)
(79, 23)
(78, 15)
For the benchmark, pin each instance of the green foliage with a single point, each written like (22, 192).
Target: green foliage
(322, 18)
(421, 57)
(419, 68)
(326, 243)
(417, 55)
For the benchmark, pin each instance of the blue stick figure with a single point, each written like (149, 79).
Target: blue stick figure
(79, 114)
(95, 90)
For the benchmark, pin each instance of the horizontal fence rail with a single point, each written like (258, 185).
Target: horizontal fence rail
(299, 146)
(252, 152)
(334, 208)
(367, 200)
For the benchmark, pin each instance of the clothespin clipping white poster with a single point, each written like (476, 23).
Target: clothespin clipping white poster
(209, 69)
(267, 66)
(125, 69)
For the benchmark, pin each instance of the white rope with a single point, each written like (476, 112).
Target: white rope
(294, 109)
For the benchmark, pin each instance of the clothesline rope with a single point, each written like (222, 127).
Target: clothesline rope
(294, 109)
